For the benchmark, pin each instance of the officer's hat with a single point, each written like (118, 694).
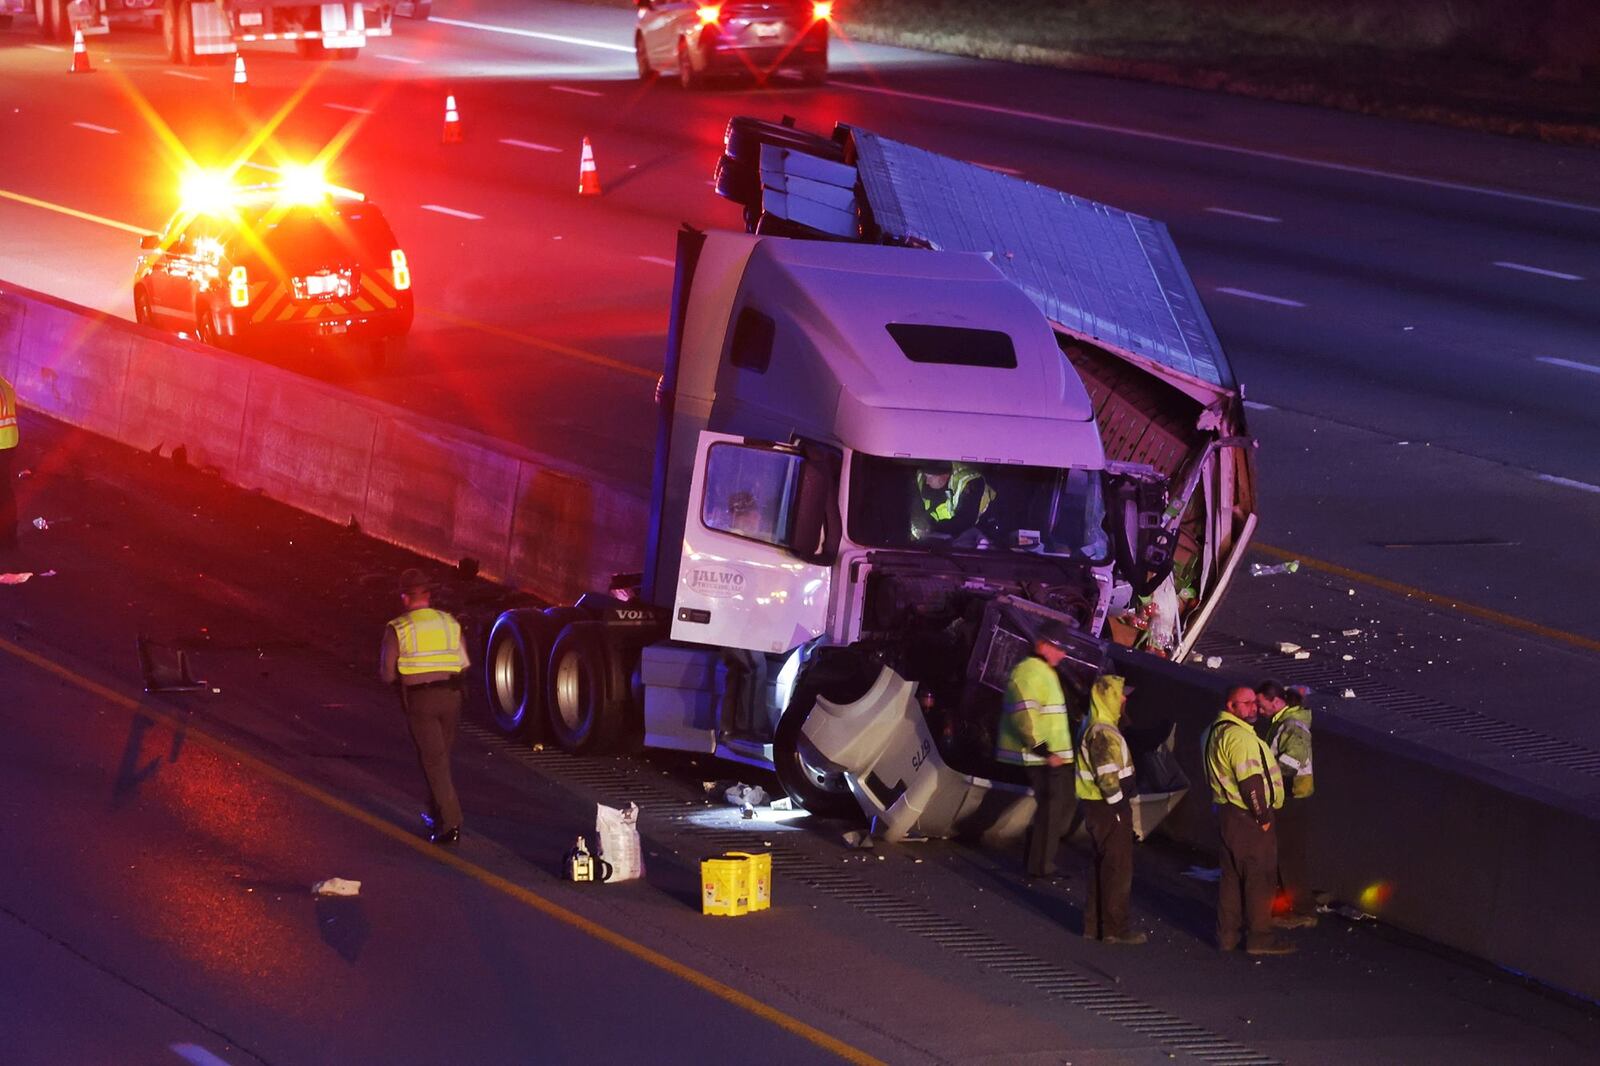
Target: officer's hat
(1053, 632)
(413, 580)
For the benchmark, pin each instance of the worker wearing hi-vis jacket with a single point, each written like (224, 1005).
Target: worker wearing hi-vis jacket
(1105, 793)
(951, 497)
(423, 656)
(10, 435)
(1289, 734)
(1034, 734)
(1246, 790)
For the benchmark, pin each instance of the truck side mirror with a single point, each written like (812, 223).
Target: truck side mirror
(817, 521)
(150, 242)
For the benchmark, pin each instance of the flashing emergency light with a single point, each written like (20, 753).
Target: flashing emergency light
(709, 13)
(822, 10)
(402, 272)
(239, 287)
(205, 192)
(301, 184)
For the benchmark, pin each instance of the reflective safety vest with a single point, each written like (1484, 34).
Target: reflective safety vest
(1232, 753)
(430, 643)
(8, 415)
(1035, 715)
(961, 475)
(1290, 737)
(1104, 761)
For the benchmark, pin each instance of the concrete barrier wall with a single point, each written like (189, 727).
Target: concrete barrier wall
(1445, 848)
(1457, 851)
(440, 490)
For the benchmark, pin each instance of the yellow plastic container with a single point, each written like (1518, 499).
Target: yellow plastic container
(759, 877)
(724, 886)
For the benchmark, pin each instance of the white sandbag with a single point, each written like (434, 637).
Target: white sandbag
(619, 840)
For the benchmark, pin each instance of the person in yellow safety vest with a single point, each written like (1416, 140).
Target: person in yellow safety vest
(1289, 735)
(10, 437)
(1246, 790)
(1035, 734)
(951, 497)
(423, 655)
(1105, 794)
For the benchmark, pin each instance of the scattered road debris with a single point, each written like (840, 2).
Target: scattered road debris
(1261, 570)
(336, 886)
(743, 795)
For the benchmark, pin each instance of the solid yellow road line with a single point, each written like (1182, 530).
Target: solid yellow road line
(72, 212)
(704, 982)
(1447, 602)
(534, 342)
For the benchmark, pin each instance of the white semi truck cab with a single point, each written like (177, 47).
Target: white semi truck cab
(877, 468)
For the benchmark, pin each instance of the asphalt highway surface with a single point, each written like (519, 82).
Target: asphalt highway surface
(160, 850)
(1412, 309)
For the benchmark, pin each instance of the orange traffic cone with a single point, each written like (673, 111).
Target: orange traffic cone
(80, 55)
(588, 177)
(240, 78)
(452, 121)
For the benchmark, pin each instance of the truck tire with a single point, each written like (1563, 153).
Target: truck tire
(513, 672)
(745, 135)
(183, 37)
(44, 13)
(838, 678)
(586, 690)
(141, 308)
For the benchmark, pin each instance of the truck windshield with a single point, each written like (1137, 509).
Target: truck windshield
(911, 503)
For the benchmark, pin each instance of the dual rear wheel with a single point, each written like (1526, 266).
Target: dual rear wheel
(558, 675)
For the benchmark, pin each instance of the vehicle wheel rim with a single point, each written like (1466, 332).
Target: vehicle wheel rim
(508, 686)
(571, 688)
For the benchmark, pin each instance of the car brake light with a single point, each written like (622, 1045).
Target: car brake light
(822, 10)
(239, 287)
(402, 273)
(709, 13)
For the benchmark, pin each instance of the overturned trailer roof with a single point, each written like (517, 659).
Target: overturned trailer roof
(1092, 269)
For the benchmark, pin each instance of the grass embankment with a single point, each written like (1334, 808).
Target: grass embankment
(1527, 67)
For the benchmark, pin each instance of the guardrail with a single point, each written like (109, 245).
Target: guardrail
(1430, 843)
(440, 490)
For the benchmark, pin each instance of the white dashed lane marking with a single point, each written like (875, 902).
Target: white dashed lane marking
(1541, 271)
(46, 47)
(452, 212)
(1567, 364)
(657, 260)
(1263, 297)
(1216, 146)
(197, 1055)
(1231, 213)
(399, 59)
(574, 92)
(558, 38)
(529, 145)
(96, 129)
(1256, 406)
(186, 75)
(350, 108)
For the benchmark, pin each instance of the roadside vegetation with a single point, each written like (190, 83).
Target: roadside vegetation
(1530, 67)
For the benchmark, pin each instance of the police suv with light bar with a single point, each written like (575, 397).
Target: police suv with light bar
(296, 263)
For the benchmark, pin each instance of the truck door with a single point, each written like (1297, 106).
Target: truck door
(1141, 537)
(753, 573)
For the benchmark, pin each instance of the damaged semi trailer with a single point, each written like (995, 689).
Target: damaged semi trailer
(916, 409)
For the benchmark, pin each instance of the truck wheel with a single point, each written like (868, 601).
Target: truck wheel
(44, 13)
(586, 691)
(141, 308)
(169, 29)
(183, 32)
(61, 24)
(513, 665)
(839, 679)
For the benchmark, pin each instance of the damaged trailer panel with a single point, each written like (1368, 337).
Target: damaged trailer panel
(1125, 312)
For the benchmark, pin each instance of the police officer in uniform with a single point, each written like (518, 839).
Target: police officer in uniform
(1105, 783)
(1034, 734)
(9, 438)
(423, 656)
(1246, 790)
